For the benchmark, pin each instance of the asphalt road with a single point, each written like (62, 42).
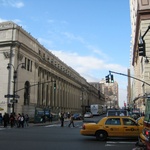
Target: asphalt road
(54, 137)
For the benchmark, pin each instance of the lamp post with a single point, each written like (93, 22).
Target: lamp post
(14, 80)
(82, 101)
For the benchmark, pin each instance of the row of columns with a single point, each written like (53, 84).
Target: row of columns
(65, 97)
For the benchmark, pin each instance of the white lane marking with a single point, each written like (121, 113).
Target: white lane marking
(121, 142)
(2, 128)
(59, 125)
(112, 143)
(53, 125)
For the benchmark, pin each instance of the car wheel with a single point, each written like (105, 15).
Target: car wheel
(101, 135)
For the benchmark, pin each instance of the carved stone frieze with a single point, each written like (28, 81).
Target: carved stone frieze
(6, 54)
(20, 56)
(36, 65)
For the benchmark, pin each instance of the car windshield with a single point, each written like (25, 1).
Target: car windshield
(117, 113)
(88, 113)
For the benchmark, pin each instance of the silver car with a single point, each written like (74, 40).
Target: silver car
(88, 115)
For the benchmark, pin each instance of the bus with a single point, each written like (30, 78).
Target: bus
(96, 109)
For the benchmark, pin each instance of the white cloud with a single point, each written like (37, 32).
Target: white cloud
(2, 20)
(12, 3)
(87, 66)
(71, 36)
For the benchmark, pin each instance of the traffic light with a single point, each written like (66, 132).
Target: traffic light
(54, 85)
(107, 79)
(141, 46)
(112, 78)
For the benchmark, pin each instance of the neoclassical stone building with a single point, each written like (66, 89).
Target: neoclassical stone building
(140, 21)
(39, 78)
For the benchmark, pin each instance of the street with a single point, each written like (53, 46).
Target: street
(57, 138)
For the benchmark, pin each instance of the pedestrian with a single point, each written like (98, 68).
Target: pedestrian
(12, 120)
(62, 119)
(22, 120)
(6, 120)
(16, 120)
(59, 115)
(26, 120)
(19, 120)
(68, 115)
(71, 121)
(50, 117)
(1, 119)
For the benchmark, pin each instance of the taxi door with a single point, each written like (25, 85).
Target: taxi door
(112, 126)
(130, 127)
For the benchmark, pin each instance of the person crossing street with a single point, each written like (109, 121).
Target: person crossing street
(71, 121)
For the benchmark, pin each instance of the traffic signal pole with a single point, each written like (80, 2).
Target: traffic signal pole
(39, 84)
(129, 77)
(141, 44)
(146, 32)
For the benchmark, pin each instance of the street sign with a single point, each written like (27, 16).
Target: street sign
(11, 96)
(8, 96)
(14, 101)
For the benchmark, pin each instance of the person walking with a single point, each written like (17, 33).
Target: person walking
(22, 120)
(26, 120)
(1, 119)
(12, 120)
(62, 119)
(6, 120)
(71, 121)
(51, 117)
(19, 120)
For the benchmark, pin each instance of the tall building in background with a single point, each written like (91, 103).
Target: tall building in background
(129, 101)
(110, 91)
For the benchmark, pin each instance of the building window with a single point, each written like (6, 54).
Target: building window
(28, 65)
(27, 93)
(39, 52)
(25, 66)
(43, 56)
(31, 67)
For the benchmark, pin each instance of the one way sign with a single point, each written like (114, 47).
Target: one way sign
(11, 96)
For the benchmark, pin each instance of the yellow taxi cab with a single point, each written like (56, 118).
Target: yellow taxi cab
(112, 126)
(140, 120)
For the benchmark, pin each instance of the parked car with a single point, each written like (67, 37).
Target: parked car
(77, 116)
(88, 115)
(112, 126)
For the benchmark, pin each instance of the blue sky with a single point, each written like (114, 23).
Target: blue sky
(91, 36)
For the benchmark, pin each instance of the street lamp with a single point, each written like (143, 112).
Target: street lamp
(82, 103)
(14, 78)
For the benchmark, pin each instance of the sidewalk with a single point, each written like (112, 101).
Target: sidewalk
(41, 123)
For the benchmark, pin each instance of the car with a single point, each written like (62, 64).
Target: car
(112, 126)
(88, 115)
(77, 116)
(119, 112)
